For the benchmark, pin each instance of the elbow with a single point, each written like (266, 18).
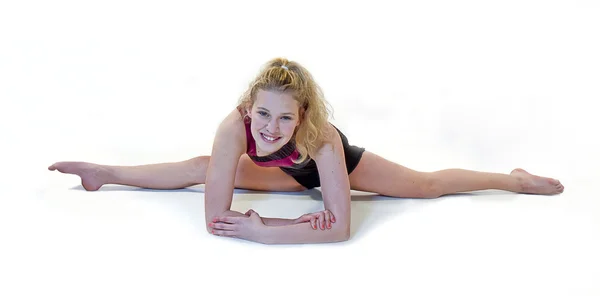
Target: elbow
(346, 235)
(342, 238)
(208, 228)
(341, 229)
(344, 231)
(208, 218)
(343, 234)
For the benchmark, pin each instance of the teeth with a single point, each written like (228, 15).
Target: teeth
(268, 138)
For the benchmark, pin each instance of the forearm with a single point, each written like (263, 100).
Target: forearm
(277, 221)
(266, 221)
(302, 233)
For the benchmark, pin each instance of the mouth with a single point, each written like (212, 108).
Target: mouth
(269, 139)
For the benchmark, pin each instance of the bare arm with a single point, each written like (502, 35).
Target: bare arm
(228, 147)
(274, 221)
(336, 195)
(278, 221)
(335, 186)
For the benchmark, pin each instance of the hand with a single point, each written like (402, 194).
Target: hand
(248, 228)
(321, 219)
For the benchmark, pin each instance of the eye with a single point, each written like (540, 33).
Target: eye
(263, 113)
(287, 118)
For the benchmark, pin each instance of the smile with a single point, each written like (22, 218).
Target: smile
(269, 139)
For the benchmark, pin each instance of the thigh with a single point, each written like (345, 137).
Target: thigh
(253, 177)
(379, 175)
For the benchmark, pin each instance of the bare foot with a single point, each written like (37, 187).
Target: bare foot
(536, 184)
(93, 176)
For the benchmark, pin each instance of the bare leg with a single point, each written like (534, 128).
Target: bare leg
(520, 181)
(173, 175)
(176, 175)
(377, 174)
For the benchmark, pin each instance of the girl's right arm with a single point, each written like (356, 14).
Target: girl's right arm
(228, 146)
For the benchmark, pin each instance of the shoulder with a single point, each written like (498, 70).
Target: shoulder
(331, 146)
(231, 132)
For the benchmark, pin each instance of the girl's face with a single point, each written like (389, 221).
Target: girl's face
(274, 118)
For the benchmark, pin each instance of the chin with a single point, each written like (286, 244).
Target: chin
(271, 146)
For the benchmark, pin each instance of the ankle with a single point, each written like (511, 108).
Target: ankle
(520, 184)
(108, 174)
(199, 166)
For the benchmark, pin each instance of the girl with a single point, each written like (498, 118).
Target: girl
(279, 139)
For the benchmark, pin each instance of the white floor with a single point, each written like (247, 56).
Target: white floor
(429, 85)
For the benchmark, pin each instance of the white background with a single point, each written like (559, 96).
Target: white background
(430, 85)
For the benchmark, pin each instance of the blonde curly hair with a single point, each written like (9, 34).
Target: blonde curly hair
(282, 75)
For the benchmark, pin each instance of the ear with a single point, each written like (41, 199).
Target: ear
(301, 113)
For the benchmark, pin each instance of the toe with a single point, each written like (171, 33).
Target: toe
(559, 188)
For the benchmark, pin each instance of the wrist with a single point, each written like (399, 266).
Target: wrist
(265, 236)
(110, 174)
(278, 221)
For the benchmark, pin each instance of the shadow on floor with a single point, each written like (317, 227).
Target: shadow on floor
(368, 209)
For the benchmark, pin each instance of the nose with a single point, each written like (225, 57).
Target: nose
(272, 126)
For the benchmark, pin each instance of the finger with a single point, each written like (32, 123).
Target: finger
(332, 217)
(227, 219)
(322, 221)
(313, 222)
(327, 219)
(222, 226)
(318, 218)
(228, 233)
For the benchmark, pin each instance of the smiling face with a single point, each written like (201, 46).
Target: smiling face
(275, 116)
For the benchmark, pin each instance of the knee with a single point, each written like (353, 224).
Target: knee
(200, 162)
(431, 186)
(198, 168)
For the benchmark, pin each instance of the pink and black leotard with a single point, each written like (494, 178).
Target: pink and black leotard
(305, 173)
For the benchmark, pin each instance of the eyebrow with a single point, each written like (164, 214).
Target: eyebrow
(270, 111)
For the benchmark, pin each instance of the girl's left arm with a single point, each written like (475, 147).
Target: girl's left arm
(335, 188)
